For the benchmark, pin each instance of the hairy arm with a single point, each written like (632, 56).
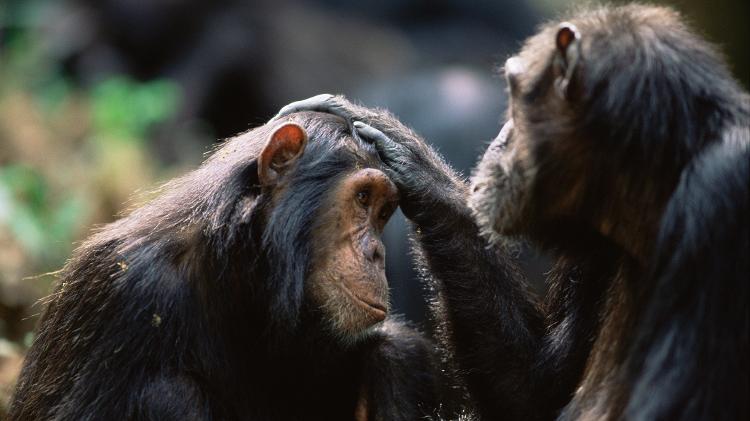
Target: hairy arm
(491, 323)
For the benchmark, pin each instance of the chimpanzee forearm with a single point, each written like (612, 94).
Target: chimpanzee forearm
(494, 324)
(496, 327)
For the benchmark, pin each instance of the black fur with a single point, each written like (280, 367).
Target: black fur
(637, 179)
(648, 317)
(193, 307)
(692, 342)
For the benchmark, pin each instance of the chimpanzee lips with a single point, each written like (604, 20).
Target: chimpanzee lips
(376, 306)
(376, 309)
(372, 305)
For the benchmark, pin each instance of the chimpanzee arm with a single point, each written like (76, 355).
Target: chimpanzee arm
(494, 324)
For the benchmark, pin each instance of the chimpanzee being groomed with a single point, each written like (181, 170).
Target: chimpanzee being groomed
(252, 288)
(627, 155)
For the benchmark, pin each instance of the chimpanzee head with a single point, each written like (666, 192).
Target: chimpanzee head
(325, 205)
(605, 111)
(281, 225)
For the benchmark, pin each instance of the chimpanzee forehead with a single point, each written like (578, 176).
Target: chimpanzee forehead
(349, 151)
(366, 152)
(333, 135)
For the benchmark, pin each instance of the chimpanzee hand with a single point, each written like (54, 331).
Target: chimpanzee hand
(337, 105)
(324, 103)
(426, 183)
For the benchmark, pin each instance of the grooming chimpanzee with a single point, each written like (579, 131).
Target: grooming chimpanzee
(627, 155)
(252, 288)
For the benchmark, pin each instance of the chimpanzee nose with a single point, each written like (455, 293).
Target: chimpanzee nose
(375, 251)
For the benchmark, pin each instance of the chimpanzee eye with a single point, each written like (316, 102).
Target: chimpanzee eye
(363, 197)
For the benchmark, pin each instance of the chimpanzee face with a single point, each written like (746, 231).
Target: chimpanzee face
(347, 201)
(532, 144)
(348, 275)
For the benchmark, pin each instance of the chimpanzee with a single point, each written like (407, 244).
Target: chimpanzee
(626, 155)
(251, 288)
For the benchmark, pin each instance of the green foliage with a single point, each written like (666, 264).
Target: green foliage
(34, 217)
(125, 109)
(89, 149)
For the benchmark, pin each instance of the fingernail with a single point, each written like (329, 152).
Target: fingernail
(358, 124)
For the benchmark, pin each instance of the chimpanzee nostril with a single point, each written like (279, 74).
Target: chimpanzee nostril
(375, 251)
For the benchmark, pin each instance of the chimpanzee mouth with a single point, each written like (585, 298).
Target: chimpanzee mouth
(377, 310)
(376, 306)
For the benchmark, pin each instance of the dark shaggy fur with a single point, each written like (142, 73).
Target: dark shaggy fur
(640, 183)
(193, 307)
(636, 176)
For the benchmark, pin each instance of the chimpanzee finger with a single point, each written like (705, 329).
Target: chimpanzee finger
(370, 134)
(387, 148)
(322, 103)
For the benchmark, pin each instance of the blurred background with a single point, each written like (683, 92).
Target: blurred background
(103, 99)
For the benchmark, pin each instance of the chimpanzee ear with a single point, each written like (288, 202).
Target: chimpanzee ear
(286, 144)
(567, 54)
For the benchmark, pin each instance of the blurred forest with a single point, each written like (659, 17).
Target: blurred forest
(101, 100)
